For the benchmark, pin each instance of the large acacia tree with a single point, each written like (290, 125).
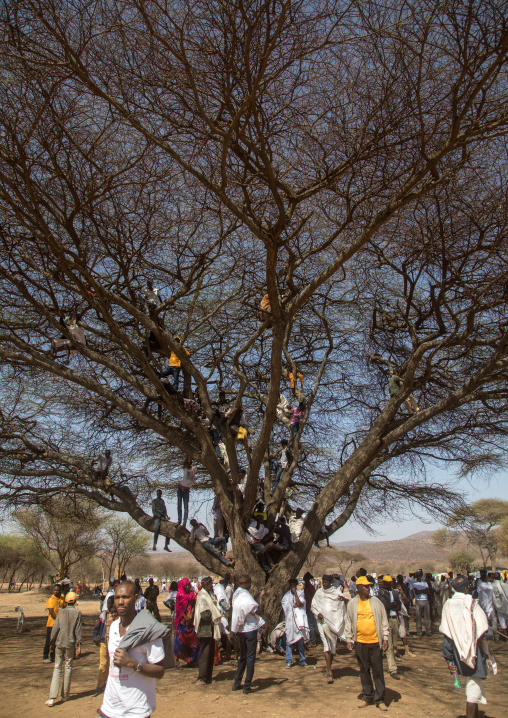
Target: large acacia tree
(345, 158)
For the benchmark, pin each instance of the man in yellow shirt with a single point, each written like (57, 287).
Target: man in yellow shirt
(174, 366)
(53, 605)
(367, 632)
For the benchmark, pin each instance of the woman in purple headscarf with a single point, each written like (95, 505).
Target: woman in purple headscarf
(186, 639)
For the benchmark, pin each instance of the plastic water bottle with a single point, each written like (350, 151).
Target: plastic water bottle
(456, 677)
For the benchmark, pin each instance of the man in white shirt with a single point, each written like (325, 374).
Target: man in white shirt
(296, 525)
(183, 491)
(255, 535)
(245, 623)
(202, 534)
(113, 583)
(130, 690)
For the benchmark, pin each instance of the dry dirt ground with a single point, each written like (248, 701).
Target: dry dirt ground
(423, 691)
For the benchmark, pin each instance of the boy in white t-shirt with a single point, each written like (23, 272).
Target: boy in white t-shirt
(130, 690)
(183, 491)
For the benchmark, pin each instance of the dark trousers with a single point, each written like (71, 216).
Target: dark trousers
(370, 658)
(182, 498)
(248, 644)
(156, 532)
(46, 652)
(205, 660)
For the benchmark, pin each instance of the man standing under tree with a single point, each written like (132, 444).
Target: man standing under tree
(159, 512)
(207, 616)
(66, 634)
(53, 605)
(130, 690)
(367, 633)
(297, 627)
(151, 594)
(245, 623)
(392, 603)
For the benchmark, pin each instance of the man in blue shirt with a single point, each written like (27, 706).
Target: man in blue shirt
(420, 591)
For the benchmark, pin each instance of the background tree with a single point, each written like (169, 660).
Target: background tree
(480, 523)
(21, 562)
(122, 540)
(63, 530)
(462, 562)
(345, 160)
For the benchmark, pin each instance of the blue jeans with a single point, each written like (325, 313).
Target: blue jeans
(210, 545)
(275, 466)
(173, 371)
(182, 496)
(301, 651)
(294, 429)
(156, 532)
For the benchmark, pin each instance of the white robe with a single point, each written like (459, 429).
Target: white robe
(464, 623)
(328, 602)
(297, 625)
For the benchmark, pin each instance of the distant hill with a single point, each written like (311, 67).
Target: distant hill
(416, 550)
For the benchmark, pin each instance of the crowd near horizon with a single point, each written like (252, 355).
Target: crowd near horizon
(380, 619)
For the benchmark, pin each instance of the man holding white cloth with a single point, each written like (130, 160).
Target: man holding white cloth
(463, 623)
(329, 607)
(245, 622)
(297, 625)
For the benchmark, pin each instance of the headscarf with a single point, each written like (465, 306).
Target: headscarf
(183, 600)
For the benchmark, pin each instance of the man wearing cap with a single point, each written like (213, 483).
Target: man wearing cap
(207, 616)
(464, 623)
(66, 635)
(392, 603)
(245, 622)
(367, 632)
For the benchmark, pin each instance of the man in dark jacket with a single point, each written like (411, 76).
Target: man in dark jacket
(390, 598)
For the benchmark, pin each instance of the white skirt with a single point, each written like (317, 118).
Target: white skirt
(329, 639)
(475, 690)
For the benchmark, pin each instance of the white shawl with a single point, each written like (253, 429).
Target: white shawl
(205, 602)
(464, 622)
(243, 615)
(297, 624)
(327, 601)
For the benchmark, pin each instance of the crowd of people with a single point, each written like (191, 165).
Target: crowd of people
(209, 621)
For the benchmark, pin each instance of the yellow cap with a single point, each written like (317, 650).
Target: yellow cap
(387, 578)
(363, 581)
(71, 597)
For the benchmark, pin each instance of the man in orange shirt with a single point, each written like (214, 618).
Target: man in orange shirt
(367, 632)
(53, 605)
